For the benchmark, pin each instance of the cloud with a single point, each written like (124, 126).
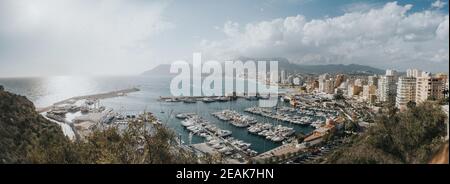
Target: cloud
(359, 7)
(438, 4)
(442, 30)
(63, 36)
(389, 36)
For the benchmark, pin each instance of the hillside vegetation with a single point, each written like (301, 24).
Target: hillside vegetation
(413, 136)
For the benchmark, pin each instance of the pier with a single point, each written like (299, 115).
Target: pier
(99, 96)
(230, 95)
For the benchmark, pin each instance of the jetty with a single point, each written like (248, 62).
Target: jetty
(99, 96)
(232, 96)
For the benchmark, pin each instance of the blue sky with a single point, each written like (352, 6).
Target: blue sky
(59, 37)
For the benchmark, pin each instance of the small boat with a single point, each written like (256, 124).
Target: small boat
(224, 133)
(224, 150)
(251, 98)
(172, 100)
(187, 123)
(217, 146)
(184, 115)
(208, 100)
(59, 112)
(223, 99)
(189, 100)
(277, 139)
(89, 102)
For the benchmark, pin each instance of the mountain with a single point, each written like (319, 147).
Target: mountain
(163, 69)
(336, 68)
(284, 64)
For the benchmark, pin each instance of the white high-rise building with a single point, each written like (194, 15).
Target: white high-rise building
(329, 86)
(390, 72)
(360, 82)
(387, 86)
(372, 80)
(413, 73)
(406, 92)
(322, 82)
(282, 77)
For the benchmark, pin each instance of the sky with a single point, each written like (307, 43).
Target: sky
(127, 37)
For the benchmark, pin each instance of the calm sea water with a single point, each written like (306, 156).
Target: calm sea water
(46, 91)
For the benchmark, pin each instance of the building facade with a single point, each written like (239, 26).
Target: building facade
(406, 92)
(429, 88)
(387, 88)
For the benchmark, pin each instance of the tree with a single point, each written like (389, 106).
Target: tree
(338, 96)
(411, 104)
(351, 126)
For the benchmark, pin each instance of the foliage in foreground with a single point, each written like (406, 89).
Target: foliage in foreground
(412, 136)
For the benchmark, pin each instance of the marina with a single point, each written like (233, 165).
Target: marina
(79, 115)
(300, 116)
(203, 128)
(217, 139)
(276, 133)
(235, 118)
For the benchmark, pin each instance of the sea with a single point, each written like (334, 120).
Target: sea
(44, 91)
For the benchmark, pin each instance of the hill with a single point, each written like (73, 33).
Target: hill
(163, 69)
(24, 134)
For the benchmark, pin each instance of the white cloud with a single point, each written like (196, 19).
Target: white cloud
(359, 7)
(60, 36)
(389, 36)
(438, 4)
(442, 31)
